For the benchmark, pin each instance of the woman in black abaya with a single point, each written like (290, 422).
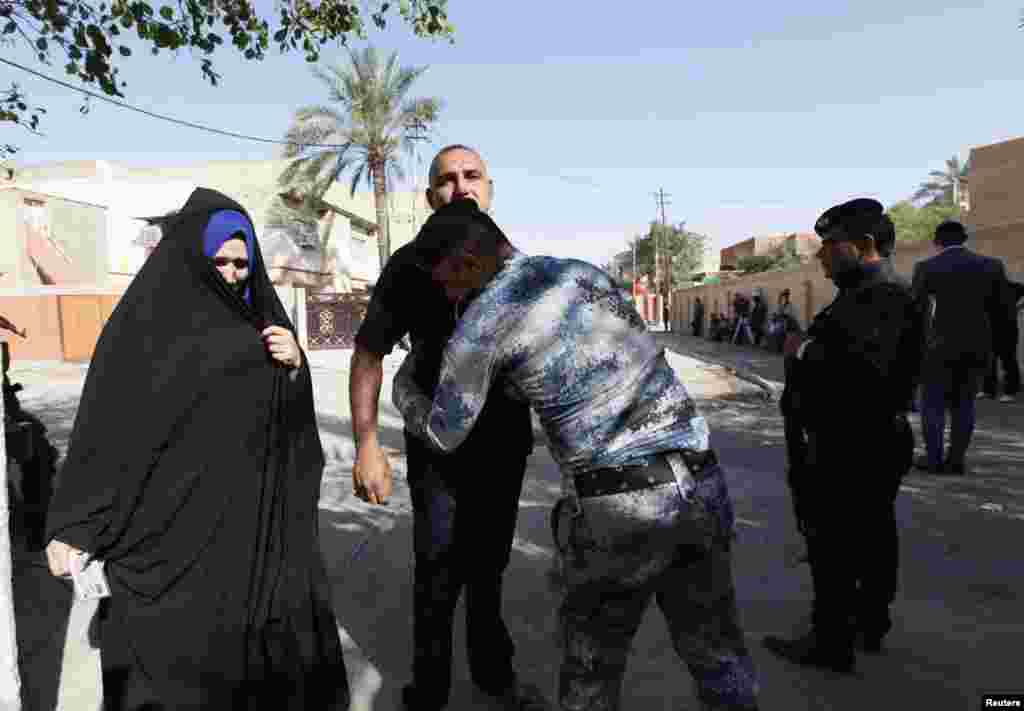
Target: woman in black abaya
(194, 472)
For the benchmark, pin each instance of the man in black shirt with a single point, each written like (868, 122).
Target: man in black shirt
(463, 523)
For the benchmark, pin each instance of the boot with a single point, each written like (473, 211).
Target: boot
(812, 651)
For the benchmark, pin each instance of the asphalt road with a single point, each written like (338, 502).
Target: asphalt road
(959, 621)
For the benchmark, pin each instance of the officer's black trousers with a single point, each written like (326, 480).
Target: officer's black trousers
(853, 541)
(464, 520)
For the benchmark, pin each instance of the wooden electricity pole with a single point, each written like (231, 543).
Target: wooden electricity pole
(661, 198)
(416, 132)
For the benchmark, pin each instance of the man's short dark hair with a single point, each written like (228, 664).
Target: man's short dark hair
(950, 233)
(457, 228)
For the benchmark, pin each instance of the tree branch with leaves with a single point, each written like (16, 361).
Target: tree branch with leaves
(94, 39)
(942, 186)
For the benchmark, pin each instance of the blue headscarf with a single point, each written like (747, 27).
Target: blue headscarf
(225, 225)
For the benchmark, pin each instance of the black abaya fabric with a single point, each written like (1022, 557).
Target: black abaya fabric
(194, 471)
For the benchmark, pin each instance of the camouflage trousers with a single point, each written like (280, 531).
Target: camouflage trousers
(606, 592)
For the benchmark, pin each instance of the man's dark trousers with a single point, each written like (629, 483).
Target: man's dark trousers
(956, 389)
(465, 507)
(853, 550)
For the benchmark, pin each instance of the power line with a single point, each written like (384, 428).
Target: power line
(180, 122)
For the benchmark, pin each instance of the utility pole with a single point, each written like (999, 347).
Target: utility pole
(416, 131)
(635, 276)
(661, 198)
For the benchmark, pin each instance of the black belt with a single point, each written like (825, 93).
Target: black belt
(618, 480)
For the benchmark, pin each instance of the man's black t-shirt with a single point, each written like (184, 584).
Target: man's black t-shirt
(407, 301)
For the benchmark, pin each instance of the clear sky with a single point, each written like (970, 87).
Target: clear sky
(754, 117)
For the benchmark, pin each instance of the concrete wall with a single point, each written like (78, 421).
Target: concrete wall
(995, 183)
(79, 229)
(810, 291)
(62, 323)
(10, 249)
(40, 316)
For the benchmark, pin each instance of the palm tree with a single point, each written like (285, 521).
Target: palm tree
(373, 127)
(943, 186)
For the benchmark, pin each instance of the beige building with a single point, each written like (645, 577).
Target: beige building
(805, 243)
(54, 280)
(81, 237)
(342, 254)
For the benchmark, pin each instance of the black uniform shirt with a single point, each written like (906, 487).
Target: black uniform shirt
(406, 300)
(864, 359)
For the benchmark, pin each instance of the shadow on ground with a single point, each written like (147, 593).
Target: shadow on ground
(958, 610)
(996, 456)
(958, 614)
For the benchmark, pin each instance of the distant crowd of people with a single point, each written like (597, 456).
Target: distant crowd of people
(751, 322)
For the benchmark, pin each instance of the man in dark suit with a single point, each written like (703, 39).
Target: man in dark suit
(967, 297)
(1006, 352)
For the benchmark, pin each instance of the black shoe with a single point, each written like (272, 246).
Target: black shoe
(955, 468)
(410, 702)
(806, 651)
(870, 643)
(924, 465)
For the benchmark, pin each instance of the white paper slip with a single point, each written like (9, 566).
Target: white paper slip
(89, 579)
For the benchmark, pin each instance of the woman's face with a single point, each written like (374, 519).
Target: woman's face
(232, 261)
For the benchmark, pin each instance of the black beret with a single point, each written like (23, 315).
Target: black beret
(448, 228)
(855, 218)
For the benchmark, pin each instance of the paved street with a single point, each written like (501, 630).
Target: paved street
(959, 621)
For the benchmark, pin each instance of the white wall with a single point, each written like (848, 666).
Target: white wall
(125, 202)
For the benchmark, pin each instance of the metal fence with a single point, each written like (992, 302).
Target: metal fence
(333, 319)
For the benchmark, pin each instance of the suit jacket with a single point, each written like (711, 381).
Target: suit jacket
(1018, 293)
(968, 302)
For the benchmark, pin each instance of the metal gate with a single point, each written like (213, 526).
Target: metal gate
(333, 319)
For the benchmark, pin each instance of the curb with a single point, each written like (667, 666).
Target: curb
(770, 389)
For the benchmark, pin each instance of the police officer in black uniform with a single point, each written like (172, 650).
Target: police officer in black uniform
(849, 384)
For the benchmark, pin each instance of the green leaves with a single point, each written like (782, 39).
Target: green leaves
(917, 224)
(685, 247)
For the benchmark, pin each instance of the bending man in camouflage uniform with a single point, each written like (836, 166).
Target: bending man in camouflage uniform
(647, 512)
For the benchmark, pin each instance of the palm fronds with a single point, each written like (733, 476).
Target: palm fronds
(370, 118)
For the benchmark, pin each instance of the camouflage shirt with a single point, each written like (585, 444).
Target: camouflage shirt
(572, 346)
